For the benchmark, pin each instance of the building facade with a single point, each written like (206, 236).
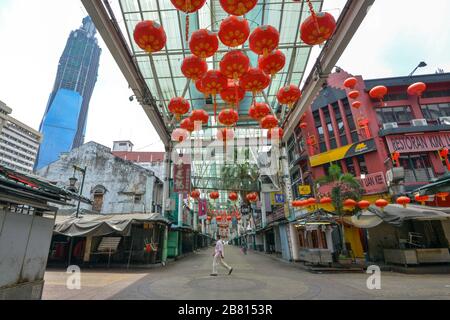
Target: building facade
(19, 143)
(114, 185)
(64, 122)
(362, 140)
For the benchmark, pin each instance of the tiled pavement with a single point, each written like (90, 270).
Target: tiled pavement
(255, 276)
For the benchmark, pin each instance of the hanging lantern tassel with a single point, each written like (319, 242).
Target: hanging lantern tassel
(236, 94)
(215, 106)
(314, 16)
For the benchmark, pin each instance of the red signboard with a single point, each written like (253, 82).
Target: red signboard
(372, 184)
(182, 178)
(418, 142)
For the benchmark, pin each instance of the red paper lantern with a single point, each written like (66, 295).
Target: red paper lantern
(194, 68)
(404, 201)
(381, 203)
(199, 87)
(195, 194)
(326, 200)
(213, 83)
(204, 43)
(363, 204)
(200, 115)
(378, 92)
(233, 196)
(225, 134)
(188, 125)
(209, 218)
(298, 204)
(259, 110)
(234, 64)
(303, 125)
(289, 95)
(229, 218)
(234, 31)
(356, 104)
(353, 94)
(311, 201)
(180, 135)
(421, 199)
(214, 195)
(350, 83)
(269, 122)
(188, 6)
(442, 195)
(264, 39)
(417, 89)
(272, 63)
(252, 197)
(277, 133)
(233, 94)
(179, 106)
(150, 36)
(255, 81)
(350, 203)
(228, 117)
(238, 7)
(317, 28)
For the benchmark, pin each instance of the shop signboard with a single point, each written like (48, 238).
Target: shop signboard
(420, 142)
(304, 190)
(182, 178)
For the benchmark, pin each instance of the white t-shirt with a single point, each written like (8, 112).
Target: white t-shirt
(219, 247)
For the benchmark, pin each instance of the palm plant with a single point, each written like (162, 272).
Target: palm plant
(345, 186)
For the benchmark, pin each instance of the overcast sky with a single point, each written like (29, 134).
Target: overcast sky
(393, 39)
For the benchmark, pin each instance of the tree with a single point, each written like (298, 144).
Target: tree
(345, 186)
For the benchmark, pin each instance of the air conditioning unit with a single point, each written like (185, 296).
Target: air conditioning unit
(390, 125)
(419, 122)
(444, 121)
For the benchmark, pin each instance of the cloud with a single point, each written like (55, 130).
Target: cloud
(33, 35)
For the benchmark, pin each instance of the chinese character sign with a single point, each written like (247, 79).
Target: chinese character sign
(182, 178)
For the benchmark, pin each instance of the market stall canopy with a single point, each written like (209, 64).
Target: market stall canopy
(101, 225)
(441, 184)
(366, 220)
(396, 214)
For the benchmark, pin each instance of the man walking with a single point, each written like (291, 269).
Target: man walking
(219, 256)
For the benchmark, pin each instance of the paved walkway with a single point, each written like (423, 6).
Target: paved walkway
(255, 276)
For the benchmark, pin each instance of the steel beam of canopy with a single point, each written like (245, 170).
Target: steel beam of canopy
(351, 18)
(107, 26)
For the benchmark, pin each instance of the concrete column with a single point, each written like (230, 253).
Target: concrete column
(263, 210)
(195, 222)
(264, 241)
(164, 253)
(203, 226)
(295, 245)
(180, 210)
(166, 187)
(87, 249)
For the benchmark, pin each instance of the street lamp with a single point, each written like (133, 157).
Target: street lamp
(421, 65)
(73, 180)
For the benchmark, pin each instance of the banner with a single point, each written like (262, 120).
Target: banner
(182, 178)
(349, 151)
(202, 204)
(423, 142)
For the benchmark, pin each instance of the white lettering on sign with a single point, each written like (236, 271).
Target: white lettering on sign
(418, 143)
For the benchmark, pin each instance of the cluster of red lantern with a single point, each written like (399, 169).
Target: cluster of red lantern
(258, 111)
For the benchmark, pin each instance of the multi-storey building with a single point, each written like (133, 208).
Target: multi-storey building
(362, 140)
(19, 143)
(64, 121)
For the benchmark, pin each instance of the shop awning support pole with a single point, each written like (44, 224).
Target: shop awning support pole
(131, 252)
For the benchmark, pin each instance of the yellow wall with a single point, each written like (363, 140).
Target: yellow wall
(352, 237)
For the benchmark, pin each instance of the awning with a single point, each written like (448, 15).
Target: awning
(396, 215)
(101, 225)
(442, 184)
(349, 151)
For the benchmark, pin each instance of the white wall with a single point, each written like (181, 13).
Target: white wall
(24, 246)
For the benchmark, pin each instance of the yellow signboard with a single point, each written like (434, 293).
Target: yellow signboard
(304, 190)
(277, 198)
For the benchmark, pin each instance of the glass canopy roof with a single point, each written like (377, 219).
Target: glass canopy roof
(162, 70)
